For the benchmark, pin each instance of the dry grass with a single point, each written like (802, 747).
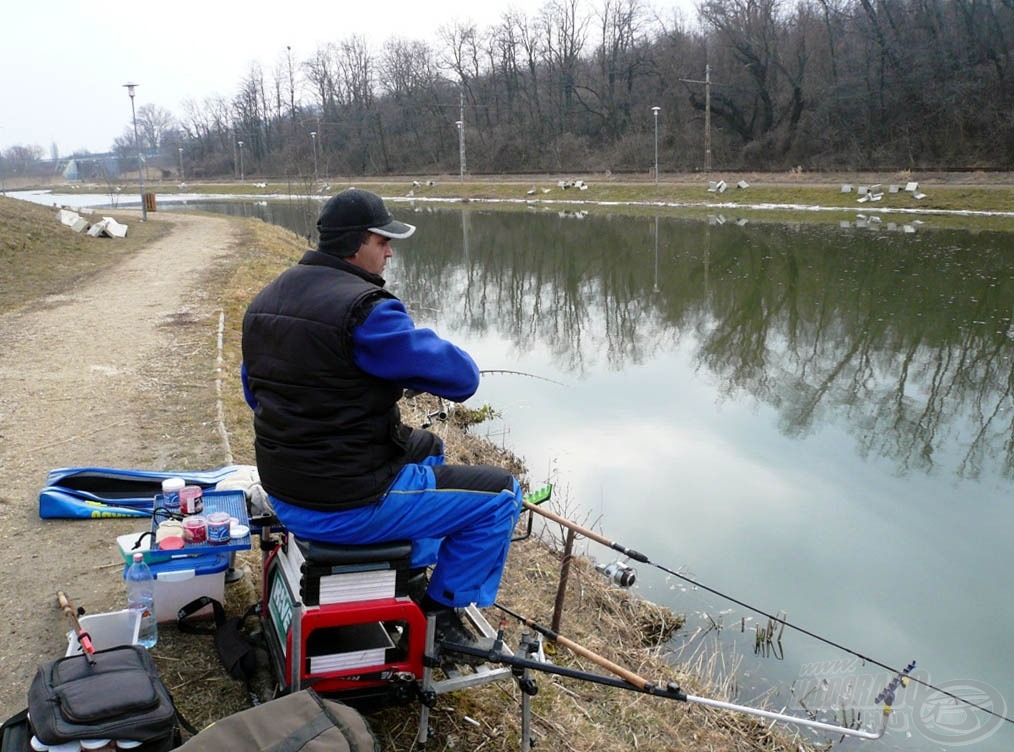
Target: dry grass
(41, 257)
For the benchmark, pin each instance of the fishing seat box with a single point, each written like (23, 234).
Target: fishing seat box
(340, 618)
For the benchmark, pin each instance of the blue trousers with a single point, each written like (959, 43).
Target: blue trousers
(459, 517)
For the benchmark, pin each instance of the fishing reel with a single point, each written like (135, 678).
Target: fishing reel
(440, 414)
(618, 572)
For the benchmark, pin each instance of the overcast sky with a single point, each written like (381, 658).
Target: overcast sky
(63, 63)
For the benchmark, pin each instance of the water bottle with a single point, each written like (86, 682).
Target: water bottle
(141, 598)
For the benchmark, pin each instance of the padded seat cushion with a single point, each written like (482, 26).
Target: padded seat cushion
(331, 554)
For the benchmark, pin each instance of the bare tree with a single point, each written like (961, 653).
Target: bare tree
(619, 57)
(820, 83)
(565, 29)
(154, 124)
(19, 158)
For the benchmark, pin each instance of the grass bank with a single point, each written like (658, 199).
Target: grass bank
(961, 200)
(40, 257)
(976, 192)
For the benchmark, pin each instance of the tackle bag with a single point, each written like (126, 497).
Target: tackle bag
(236, 651)
(15, 735)
(98, 492)
(119, 697)
(300, 722)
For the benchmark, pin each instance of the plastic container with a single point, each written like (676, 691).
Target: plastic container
(191, 500)
(97, 745)
(181, 580)
(218, 528)
(107, 630)
(140, 582)
(195, 529)
(171, 488)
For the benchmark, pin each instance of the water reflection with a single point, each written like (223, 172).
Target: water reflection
(905, 338)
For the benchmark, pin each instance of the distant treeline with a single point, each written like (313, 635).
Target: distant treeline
(814, 84)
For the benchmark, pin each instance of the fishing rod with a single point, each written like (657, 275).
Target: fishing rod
(508, 372)
(630, 680)
(83, 638)
(643, 559)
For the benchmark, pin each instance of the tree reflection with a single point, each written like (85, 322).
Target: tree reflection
(903, 337)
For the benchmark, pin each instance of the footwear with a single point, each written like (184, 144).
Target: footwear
(417, 583)
(451, 629)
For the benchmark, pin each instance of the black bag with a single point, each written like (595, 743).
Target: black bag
(300, 722)
(119, 697)
(15, 733)
(236, 651)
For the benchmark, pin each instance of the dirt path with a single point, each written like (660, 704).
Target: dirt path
(84, 378)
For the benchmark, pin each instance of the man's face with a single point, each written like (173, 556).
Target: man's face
(373, 254)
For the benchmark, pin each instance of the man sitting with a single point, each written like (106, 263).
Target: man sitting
(327, 354)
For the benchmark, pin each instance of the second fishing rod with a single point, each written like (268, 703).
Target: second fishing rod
(643, 559)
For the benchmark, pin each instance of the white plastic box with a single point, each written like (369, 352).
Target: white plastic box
(106, 630)
(181, 580)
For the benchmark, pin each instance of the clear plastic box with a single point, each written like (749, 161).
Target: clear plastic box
(106, 630)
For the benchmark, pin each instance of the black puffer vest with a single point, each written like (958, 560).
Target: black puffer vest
(328, 435)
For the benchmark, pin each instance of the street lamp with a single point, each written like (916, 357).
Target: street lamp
(241, 173)
(461, 149)
(180, 150)
(654, 111)
(313, 137)
(137, 145)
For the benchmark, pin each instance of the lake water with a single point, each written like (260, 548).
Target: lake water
(815, 420)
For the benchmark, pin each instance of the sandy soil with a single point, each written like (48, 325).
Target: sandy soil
(84, 380)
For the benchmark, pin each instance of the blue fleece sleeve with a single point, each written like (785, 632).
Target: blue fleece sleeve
(247, 393)
(388, 345)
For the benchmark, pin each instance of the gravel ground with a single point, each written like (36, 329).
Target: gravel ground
(87, 378)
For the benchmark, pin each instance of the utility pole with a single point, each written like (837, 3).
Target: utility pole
(292, 85)
(707, 113)
(461, 135)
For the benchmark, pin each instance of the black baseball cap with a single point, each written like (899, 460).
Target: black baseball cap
(355, 209)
